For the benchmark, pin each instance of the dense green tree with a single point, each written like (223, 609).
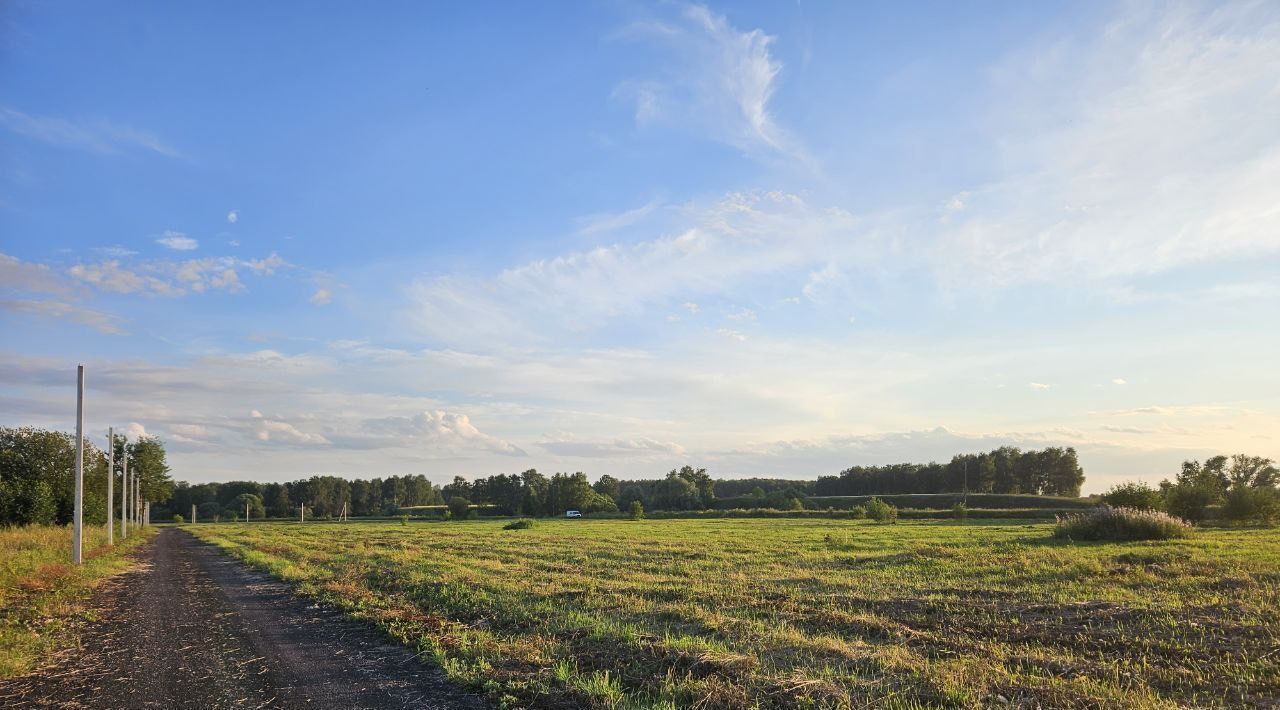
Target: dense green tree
(37, 478)
(609, 486)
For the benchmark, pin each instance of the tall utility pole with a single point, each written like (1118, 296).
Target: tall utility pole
(111, 483)
(78, 528)
(124, 492)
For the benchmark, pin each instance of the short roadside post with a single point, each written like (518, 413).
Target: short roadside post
(78, 519)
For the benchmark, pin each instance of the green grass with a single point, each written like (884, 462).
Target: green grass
(803, 613)
(43, 596)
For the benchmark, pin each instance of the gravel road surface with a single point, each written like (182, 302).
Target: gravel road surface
(191, 627)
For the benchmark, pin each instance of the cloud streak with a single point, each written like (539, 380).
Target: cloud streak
(102, 137)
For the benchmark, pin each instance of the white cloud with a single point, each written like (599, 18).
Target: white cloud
(1118, 381)
(18, 275)
(724, 245)
(722, 80)
(174, 278)
(447, 432)
(98, 320)
(115, 251)
(731, 334)
(282, 432)
(637, 448)
(322, 297)
(596, 224)
(1038, 385)
(1130, 151)
(177, 241)
(96, 136)
(742, 315)
(233, 216)
(110, 276)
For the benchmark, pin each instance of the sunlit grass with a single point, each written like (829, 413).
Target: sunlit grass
(818, 613)
(42, 594)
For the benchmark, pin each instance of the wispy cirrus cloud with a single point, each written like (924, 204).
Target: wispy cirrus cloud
(719, 78)
(96, 136)
(1129, 151)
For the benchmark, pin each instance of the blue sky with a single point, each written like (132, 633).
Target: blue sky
(768, 239)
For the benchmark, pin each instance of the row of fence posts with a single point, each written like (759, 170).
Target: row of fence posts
(133, 510)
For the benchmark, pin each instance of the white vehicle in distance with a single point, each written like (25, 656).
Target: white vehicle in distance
(572, 514)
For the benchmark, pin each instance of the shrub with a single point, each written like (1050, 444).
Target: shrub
(1134, 494)
(404, 520)
(521, 524)
(459, 507)
(177, 518)
(858, 512)
(473, 514)
(881, 511)
(637, 510)
(1107, 523)
(960, 511)
(1191, 501)
(1252, 505)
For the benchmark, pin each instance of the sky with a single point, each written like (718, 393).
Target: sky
(774, 239)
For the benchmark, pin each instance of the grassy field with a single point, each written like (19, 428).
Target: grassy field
(42, 595)
(803, 613)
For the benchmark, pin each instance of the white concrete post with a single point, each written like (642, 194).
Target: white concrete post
(193, 513)
(124, 492)
(111, 485)
(78, 519)
(302, 513)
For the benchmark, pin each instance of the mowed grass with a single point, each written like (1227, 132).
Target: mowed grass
(803, 613)
(43, 596)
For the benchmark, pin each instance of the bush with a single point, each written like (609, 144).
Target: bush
(1107, 523)
(637, 510)
(177, 518)
(473, 514)
(404, 520)
(1134, 494)
(881, 511)
(858, 512)
(960, 511)
(459, 507)
(1191, 501)
(1252, 505)
(521, 524)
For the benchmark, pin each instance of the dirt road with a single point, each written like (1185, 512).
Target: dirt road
(191, 627)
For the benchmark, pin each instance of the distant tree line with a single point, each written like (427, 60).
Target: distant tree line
(324, 496)
(37, 476)
(1052, 472)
